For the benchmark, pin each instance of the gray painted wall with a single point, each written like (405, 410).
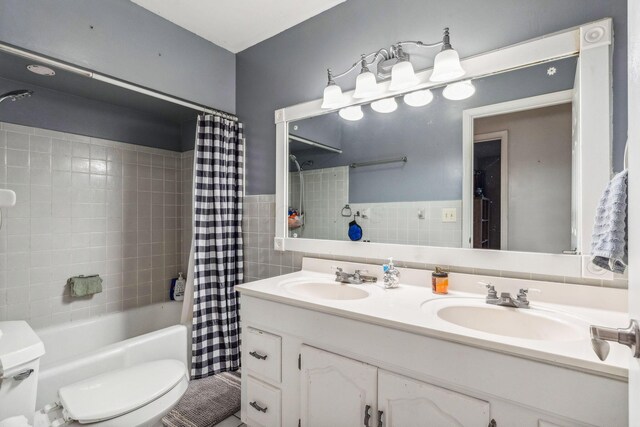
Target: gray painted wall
(430, 136)
(289, 68)
(124, 40)
(63, 112)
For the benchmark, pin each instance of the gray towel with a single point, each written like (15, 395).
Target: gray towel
(609, 240)
(81, 286)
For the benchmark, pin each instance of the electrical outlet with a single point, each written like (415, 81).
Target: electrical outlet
(449, 214)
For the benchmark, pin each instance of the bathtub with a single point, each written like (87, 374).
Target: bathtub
(79, 350)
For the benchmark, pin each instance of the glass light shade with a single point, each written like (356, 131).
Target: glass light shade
(402, 76)
(332, 97)
(366, 85)
(458, 91)
(446, 66)
(387, 105)
(418, 98)
(351, 113)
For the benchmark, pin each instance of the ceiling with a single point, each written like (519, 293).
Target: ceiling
(237, 24)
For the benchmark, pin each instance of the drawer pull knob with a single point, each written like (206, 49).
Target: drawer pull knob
(258, 355)
(257, 407)
(23, 375)
(367, 415)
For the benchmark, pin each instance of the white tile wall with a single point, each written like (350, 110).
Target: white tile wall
(259, 233)
(86, 206)
(258, 225)
(327, 192)
(187, 206)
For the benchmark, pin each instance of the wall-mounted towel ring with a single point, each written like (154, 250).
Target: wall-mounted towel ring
(346, 211)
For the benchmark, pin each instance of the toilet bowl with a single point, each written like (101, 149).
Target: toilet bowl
(138, 395)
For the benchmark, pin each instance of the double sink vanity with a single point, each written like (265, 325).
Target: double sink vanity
(504, 181)
(318, 352)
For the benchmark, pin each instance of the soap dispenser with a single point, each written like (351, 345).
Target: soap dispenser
(391, 275)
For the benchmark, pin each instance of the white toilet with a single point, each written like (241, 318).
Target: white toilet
(139, 395)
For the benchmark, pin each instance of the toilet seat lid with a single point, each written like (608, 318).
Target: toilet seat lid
(116, 393)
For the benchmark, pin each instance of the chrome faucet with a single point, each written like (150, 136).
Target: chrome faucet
(357, 278)
(505, 299)
(391, 275)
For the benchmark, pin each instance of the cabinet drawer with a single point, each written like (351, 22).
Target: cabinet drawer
(263, 354)
(263, 404)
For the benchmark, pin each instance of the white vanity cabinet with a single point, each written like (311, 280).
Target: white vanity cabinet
(338, 391)
(324, 369)
(404, 402)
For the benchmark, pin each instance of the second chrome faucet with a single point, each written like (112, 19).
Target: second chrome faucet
(505, 299)
(357, 278)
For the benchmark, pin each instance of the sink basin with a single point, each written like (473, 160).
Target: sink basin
(530, 324)
(327, 290)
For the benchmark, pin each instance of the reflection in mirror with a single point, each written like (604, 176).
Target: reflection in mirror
(522, 180)
(396, 167)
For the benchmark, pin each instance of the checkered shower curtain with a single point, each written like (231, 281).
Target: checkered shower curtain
(218, 188)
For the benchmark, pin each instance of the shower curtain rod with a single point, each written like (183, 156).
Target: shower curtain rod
(314, 143)
(113, 81)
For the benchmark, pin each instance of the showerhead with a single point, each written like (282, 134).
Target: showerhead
(16, 95)
(295, 161)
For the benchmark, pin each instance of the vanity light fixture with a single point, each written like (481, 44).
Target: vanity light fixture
(402, 74)
(446, 67)
(366, 84)
(351, 113)
(459, 90)
(333, 96)
(386, 105)
(419, 98)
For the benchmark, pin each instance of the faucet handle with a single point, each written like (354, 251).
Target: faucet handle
(522, 295)
(491, 290)
(487, 285)
(525, 291)
(361, 271)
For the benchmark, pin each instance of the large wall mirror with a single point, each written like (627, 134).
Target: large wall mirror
(399, 174)
(494, 164)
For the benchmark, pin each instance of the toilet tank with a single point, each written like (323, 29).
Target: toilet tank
(20, 352)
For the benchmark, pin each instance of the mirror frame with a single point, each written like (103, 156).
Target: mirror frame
(593, 43)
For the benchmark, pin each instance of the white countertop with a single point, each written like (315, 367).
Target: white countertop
(401, 309)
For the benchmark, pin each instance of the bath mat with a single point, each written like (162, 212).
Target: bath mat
(206, 402)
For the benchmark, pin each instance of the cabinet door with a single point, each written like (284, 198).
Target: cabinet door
(336, 391)
(404, 402)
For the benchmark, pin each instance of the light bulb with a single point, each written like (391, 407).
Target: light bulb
(460, 90)
(332, 96)
(366, 85)
(351, 113)
(418, 98)
(387, 105)
(446, 66)
(402, 76)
